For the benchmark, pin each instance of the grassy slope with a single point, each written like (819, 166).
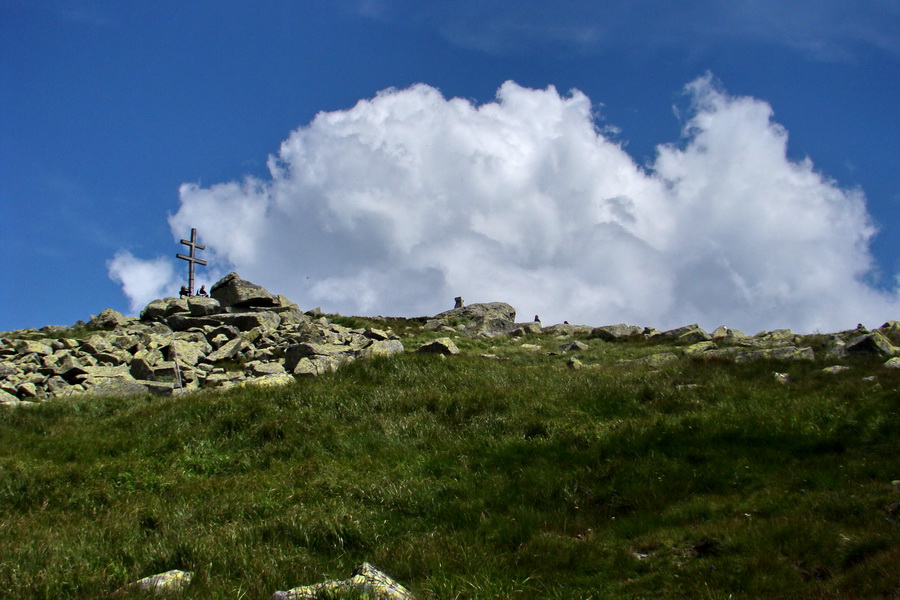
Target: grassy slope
(469, 478)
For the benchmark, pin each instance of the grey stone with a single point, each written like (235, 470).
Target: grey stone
(699, 348)
(522, 329)
(168, 583)
(177, 306)
(56, 385)
(366, 581)
(304, 367)
(573, 347)
(200, 307)
(107, 372)
(33, 347)
(245, 321)
(187, 352)
(872, 343)
(689, 334)
(107, 319)
(376, 334)
(776, 335)
(654, 361)
(567, 329)
(27, 390)
(272, 379)
(782, 353)
(155, 309)
(231, 290)
(382, 348)
(7, 399)
(479, 320)
(259, 369)
(611, 333)
(443, 345)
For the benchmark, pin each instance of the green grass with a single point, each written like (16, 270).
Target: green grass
(469, 477)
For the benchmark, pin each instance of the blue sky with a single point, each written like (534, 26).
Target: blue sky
(123, 124)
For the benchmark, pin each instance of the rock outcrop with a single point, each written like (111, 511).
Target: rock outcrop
(246, 336)
(477, 320)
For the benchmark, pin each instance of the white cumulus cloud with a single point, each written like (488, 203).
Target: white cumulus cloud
(142, 280)
(409, 199)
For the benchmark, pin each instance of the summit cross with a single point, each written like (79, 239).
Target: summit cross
(193, 245)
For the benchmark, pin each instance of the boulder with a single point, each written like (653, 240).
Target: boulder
(107, 319)
(155, 309)
(782, 353)
(442, 345)
(7, 399)
(200, 307)
(727, 335)
(776, 335)
(567, 329)
(126, 387)
(689, 334)
(873, 343)
(698, 348)
(573, 347)
(611, 333)
(232, 291)
(478, 320)
(231, 348)
(188, 352)
(382, 348)
(34, 347)
(272, 379)
(522, 329)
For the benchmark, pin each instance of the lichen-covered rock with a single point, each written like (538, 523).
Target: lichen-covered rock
(699, 348)
(872, 343)
(486, 319)
(366, 582)
(107, 319)
(611, 333)
(575, 346)
(689, 334)
(168, 583)
(443, 345)
(567, 329)
(783, 353)
(200, 307)
(231, 290)
(654, 361)
(382, 348)
(272, 379)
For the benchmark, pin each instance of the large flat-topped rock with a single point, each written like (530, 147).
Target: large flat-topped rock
(231, 290)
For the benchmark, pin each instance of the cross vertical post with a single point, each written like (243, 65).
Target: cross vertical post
(191, 258)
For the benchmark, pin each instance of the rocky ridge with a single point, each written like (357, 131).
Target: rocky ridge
(245, 335)
(241, 335)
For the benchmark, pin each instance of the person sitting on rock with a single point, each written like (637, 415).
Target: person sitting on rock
(184, 292)
(203, 292)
